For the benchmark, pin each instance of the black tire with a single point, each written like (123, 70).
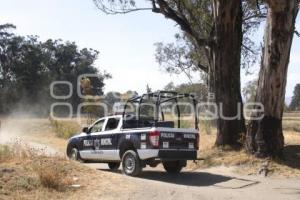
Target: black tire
(74, 155)
(113, 165)
(172, 167)
(131, 163)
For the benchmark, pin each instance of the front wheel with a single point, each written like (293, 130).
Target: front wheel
(113, 165)
(74, 155)
(131, 163)
(173, 167)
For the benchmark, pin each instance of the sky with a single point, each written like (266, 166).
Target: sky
(125, 42)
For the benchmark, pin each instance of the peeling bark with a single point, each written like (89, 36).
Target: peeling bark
(265, 136)
(226, 69)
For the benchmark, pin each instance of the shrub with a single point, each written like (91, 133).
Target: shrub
(27, 183)
(53, 174)
(64, 129)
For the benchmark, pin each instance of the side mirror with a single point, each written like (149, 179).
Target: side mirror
(85, 130)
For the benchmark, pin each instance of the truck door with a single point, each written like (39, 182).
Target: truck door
(88, 142)
(108, 140)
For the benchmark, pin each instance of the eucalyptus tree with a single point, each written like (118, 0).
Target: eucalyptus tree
(265, 136)
(214, 28)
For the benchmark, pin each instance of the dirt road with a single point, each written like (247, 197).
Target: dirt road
(213, 183)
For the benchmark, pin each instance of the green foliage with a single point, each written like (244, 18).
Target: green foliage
(295, 103)
(186, 56)
(249, 91)
(199, 89)
(28, 67)
(181, 57)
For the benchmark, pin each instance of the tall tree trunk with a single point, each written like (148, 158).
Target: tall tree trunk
(265, 136)
(227, 59)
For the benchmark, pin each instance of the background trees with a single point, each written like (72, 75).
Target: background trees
(249, 91)
(28, 67)
(295, 104)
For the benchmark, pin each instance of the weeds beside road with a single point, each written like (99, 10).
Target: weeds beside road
(26, 173)
(65, 129)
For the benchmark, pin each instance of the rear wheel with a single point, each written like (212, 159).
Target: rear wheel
(172, 167)
(131, 163)
(113, 165)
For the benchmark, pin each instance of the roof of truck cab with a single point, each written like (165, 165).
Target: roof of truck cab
(113, 116)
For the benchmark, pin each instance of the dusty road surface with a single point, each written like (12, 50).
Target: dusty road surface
(214, 183)
(154, 183)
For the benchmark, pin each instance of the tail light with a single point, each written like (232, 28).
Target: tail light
(154, 138)
(197, 141)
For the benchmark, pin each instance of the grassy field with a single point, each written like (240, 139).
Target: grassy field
(291, 121)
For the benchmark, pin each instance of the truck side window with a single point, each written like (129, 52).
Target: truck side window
(112, 124)
(97, 127)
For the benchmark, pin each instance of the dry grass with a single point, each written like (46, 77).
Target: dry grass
(291, 125)
(291, 121)
(5, 153)
(53, 173)
(65, 129)
(248, 164)
(26, 173)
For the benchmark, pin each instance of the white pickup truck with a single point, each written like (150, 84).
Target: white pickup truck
(137, 141)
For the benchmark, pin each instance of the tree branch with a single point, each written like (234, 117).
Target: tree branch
(168, 12)
(258, 15)
(163, 7)
(248, 49)
(202, 67)
(297, 33)
(110, 11)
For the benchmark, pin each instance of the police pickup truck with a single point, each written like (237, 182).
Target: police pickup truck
(136, 140)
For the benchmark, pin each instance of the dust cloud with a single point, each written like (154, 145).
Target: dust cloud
(15, 125)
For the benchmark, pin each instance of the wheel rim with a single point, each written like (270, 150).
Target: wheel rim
(74, 154)
(129, 164)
